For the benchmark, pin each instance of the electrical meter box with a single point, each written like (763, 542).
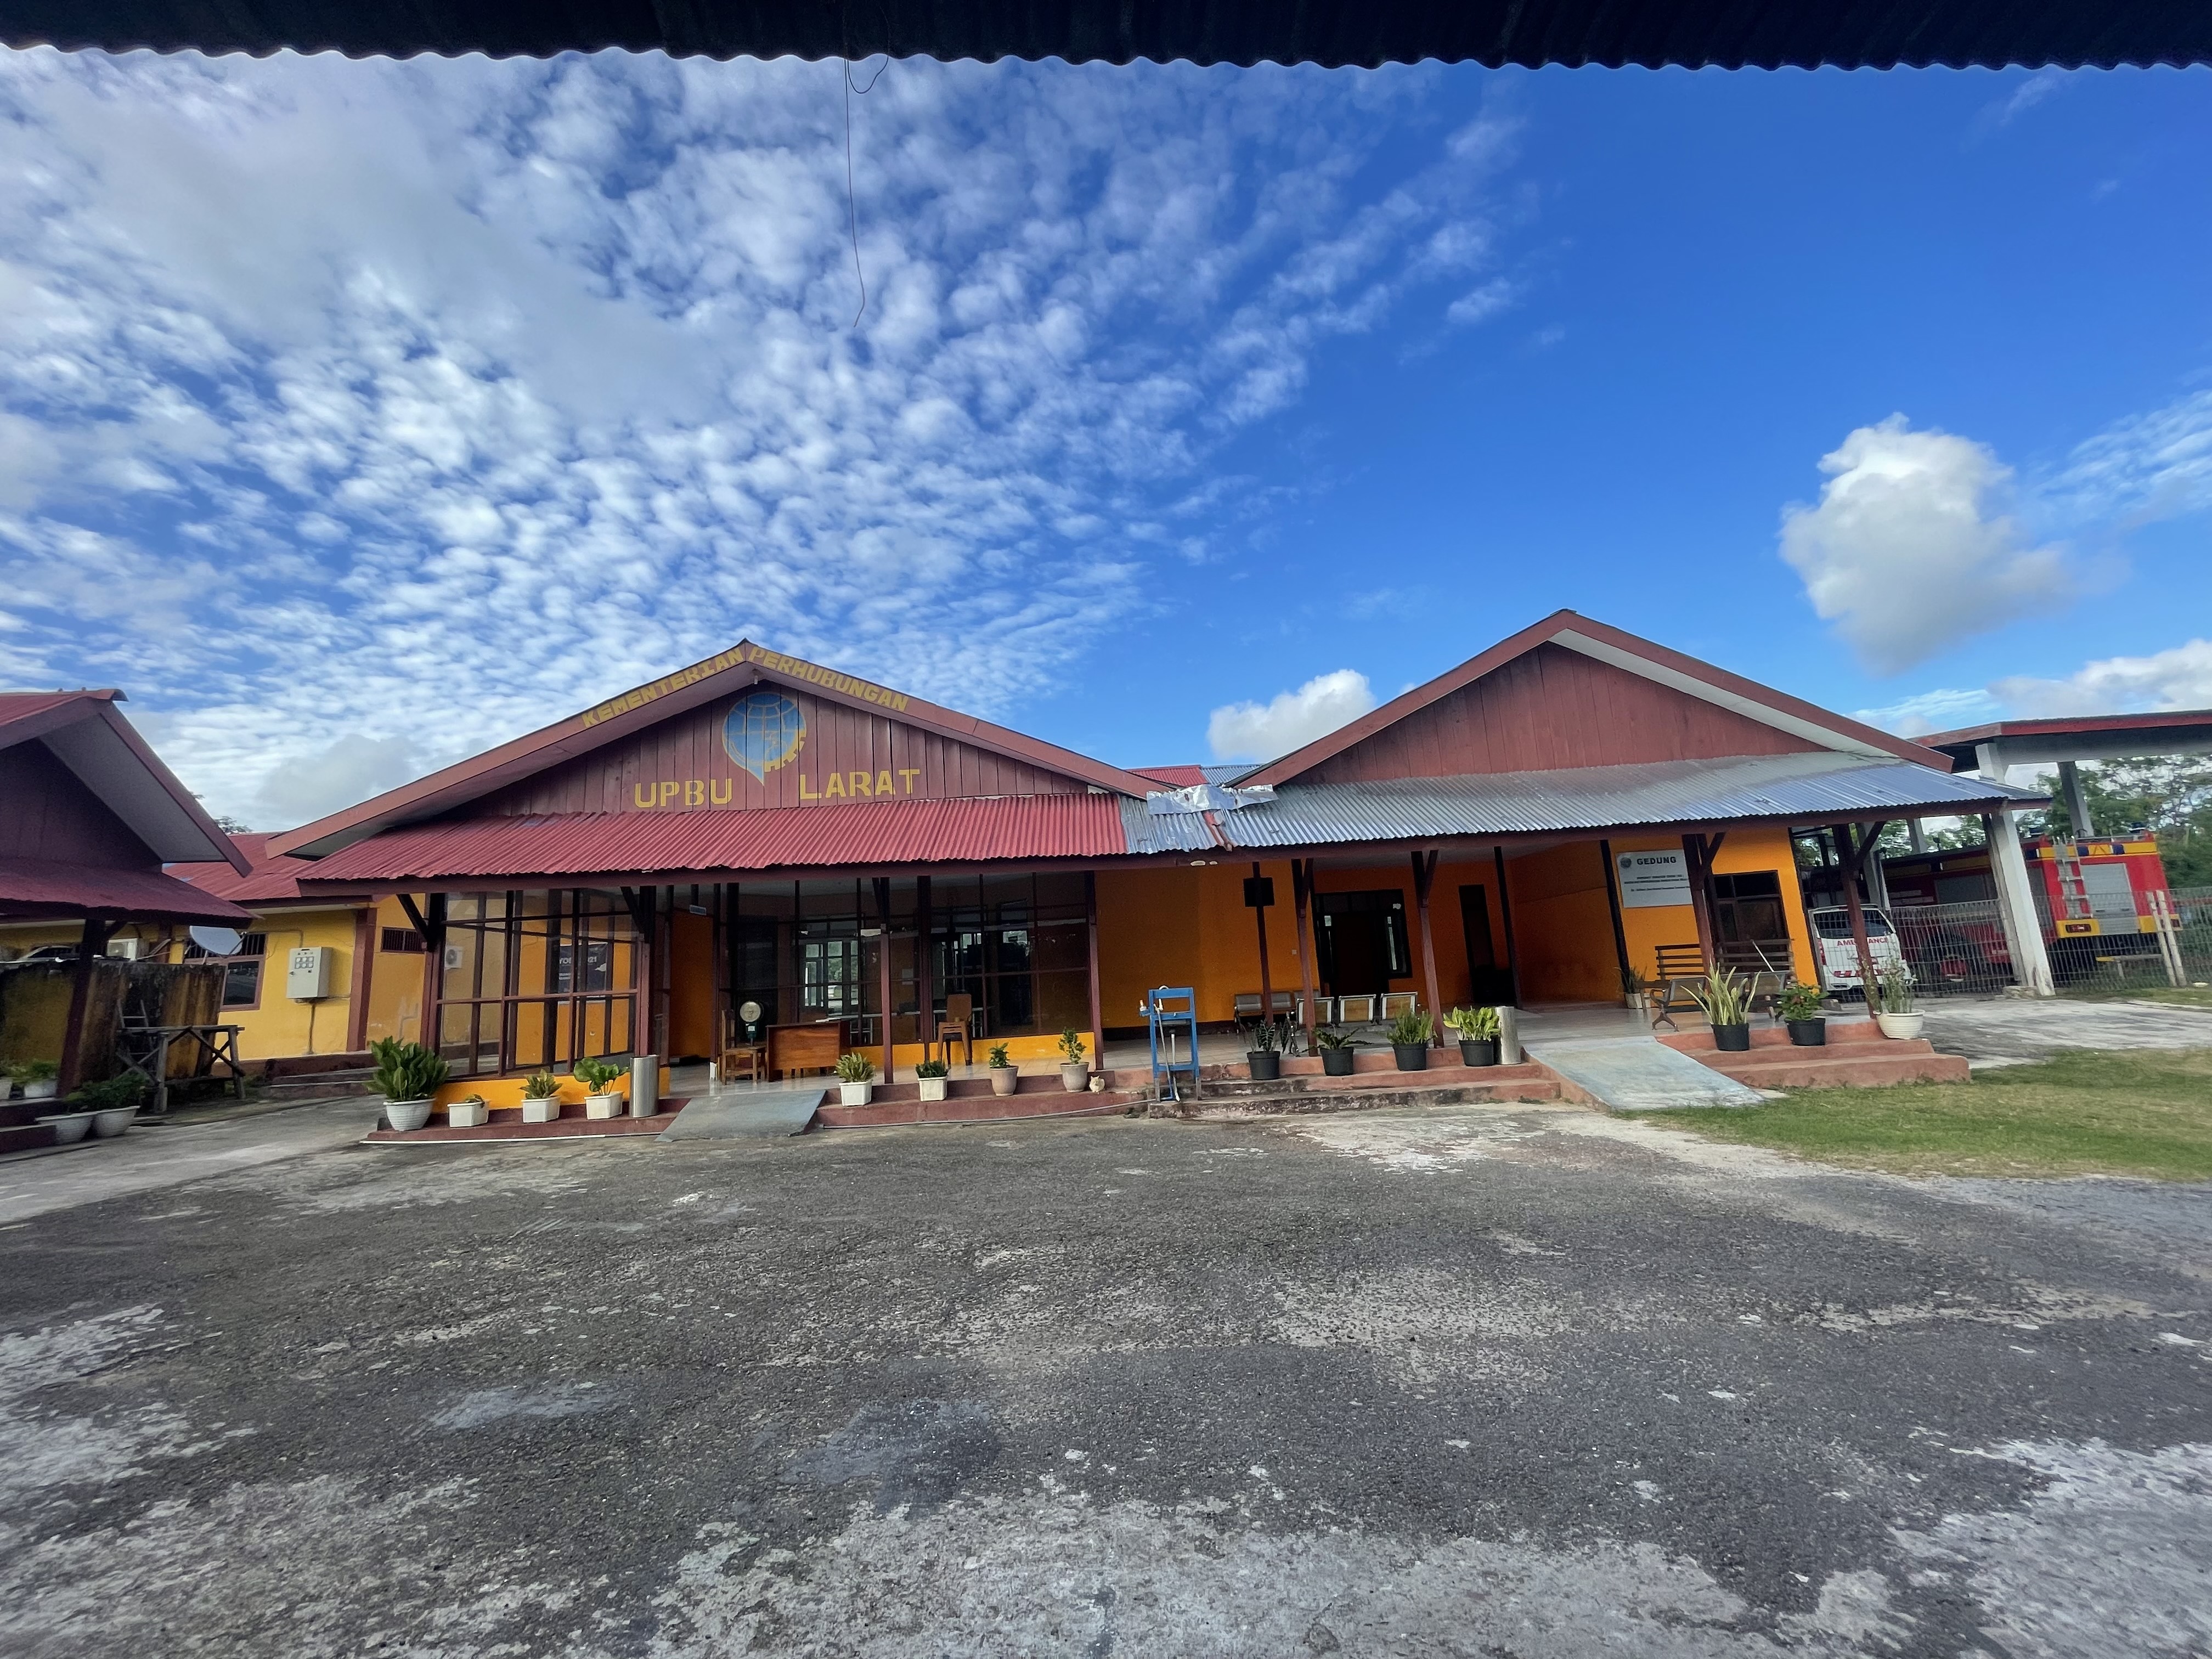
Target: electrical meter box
(307, 976)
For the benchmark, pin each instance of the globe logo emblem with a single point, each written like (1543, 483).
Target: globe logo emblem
(764, 731)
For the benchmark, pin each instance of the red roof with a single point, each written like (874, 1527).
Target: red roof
(1174, 777)
(270, 881)
(966, 831)
(47, 887)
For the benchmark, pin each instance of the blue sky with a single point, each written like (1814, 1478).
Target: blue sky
(354, 416)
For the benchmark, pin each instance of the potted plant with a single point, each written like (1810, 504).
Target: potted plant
(597, 1076)
(407, 1074)
(1895, 1013)
(935, 1077)
(40, 1078)
(1723, 998)
(69, 1127)
(541, 1097)
(1004, 1074)
(1410, 1035)
(856, 1074)
(1478, 1035)
(1633, 986)
(1075, 1071)
(1266, 1038)
(1799, 1005)
(471, 1113)
(111, 1103)
(1336, 1047)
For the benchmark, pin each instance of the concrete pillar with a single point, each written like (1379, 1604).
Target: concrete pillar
(1919, 833)
(2077, 804)
(2023, 927)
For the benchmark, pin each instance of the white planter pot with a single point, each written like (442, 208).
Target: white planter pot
(604, 1105)
(45, 1089)
(106, 1125)
(467, 1114)
(1003, 1080)
(856, 1094)
(1075, 1078)
(933, 1088)
(406, 1115)
(1902, 1027)
(541, 1111)
(69, 1127)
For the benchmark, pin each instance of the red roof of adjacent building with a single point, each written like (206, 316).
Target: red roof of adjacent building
(50, 887)
(272, 879)
(960, 831)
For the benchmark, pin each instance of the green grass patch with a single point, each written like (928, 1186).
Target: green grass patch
(2138, 1113)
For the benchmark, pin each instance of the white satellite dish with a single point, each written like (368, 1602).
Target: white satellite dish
(217, 941)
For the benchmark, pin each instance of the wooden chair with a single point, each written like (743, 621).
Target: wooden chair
(739, 1058)
(1355, 1011)
(1395, 1003)
(1682, 969)
(957, 1021)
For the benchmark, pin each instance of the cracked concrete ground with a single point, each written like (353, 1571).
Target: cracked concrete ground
(1515, 1381)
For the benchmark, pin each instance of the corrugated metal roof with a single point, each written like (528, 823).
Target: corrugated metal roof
(48, 885)
(22, 705)
(1787, 786)
(271, 881)
(1692, 33)
(1181, 777)
(1183, 832)
(1065, 826)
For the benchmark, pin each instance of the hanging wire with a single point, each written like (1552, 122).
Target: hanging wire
(852, 201)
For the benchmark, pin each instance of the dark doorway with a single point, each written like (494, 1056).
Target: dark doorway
(1747, 911)
(1362, 941)
(753, 967)
(1490, 985)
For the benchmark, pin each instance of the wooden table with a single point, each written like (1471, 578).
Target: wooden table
(812, 1048)
(145, 1050)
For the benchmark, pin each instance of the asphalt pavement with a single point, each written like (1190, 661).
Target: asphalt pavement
(1520, 1380)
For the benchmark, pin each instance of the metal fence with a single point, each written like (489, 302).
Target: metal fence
(1959, 950)
(1953, 950)
(2192, 913)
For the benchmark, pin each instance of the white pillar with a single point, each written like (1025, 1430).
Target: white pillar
(2077, 803)
(2023, 927)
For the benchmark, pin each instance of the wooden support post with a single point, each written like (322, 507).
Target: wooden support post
(92, 945)
(1301, 902)
(1628, 978)
(364, 969)
(1854, 908)
(884, 979)
(1090, 941)
(1266, 984)
(1505, 917)
(1693, 857)
(925, 967)
(1425, 876)
(432, 927)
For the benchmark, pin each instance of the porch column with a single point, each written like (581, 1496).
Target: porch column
(884, 978)
(2023, 927)
(925, 969)
(364, 969)
(2077, 801)
(1860, 842)
(1091, 942)
(1628, 980)
(1693, 858)
(1425, 875)
(91, 945)
(1266, 984)
(1505, 916)
(1301, 898)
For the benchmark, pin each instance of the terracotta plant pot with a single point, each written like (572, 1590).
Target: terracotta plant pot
(1901, 1028)
(1003, 1079)
(1808, 1033)
(1732, 1039)
(1336, 1062)
(933, 1088)
(406, 1115)
(1075, 1078)
(1478, 1052)
(1411, 1056)
(1267, 1064)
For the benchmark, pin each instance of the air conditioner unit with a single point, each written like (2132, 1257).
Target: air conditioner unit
(127, 948)
(308, 973)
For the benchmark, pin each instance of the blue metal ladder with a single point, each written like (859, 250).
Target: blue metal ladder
(1166, 1025)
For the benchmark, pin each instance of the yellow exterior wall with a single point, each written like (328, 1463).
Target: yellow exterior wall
(279, 1028)
(1188, 925)
(395, 982)
(1745, 849)
(1563, 926)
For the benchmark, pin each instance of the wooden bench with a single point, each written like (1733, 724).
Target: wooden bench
(1767, 967)
(1679, 970)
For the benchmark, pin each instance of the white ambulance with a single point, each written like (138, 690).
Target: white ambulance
(1838, 953)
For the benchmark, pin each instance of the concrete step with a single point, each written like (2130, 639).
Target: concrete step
(1844, 1065)
(318, 1085)
(984, 1108)
(1441, 1085)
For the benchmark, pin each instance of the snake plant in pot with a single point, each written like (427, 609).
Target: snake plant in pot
(1266, 1042)
(1724, 998)
(1336, 1047)
(1410, 1035)
(856, 1079)
(1478, 1035)
(407, 1074)
(1894, 1009)
(1799, 1005)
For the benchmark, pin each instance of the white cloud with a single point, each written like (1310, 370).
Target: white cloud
(2038, 87)
(2180, 677)
(2145, 468)
(1945, 710)
(1909, 547)
(356, 404)
(1256, 731)
(350, 769)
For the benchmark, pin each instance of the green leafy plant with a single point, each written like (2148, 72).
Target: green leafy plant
(110, 1094)
(595, 1075)
(998, 1056)
(1474, 1024)
(1070, 1046)
(1270, 1036)
(1723, 998)
(1799, 1001)
(540, 1085)
(1329, 1037)
(855, 1067)
(1892, 989)
(472, 1100)
(404, 1070)
(1414, 1028)
(35, 1071)
(933, 1068)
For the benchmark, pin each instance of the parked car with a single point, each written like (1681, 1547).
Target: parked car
(1840, 951)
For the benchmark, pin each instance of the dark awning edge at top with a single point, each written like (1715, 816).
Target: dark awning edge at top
(1654, 33)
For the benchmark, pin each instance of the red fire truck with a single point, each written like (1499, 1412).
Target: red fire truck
(2094, 897)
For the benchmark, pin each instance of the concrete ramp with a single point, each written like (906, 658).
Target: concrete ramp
(766, 1115)
(1637, 1073)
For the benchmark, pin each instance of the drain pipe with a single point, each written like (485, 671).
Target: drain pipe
(1508, 1036)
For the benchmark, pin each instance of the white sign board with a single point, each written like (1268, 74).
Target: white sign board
(1652, 878)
